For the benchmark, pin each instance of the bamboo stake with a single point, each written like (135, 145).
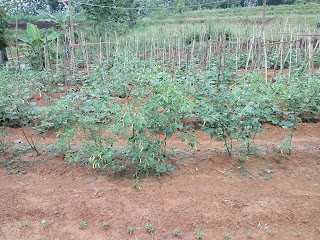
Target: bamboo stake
(210, 52)
(169, 50)
(310, 55)
(72, 56)
(17, 49)
(220, 60)
(192, 51)
(237, 47)
(281, 55)
(250, 50)
(253, 63)
(85, 55)
(290, 59)
(46, 55)
(164, 50)
(179, 54)
(107, 47)
(154, 47)
(57, 56)
(313, 52)
(100, 54)
(223, 55)
(265, 57)
(151, 48)
(297, 45)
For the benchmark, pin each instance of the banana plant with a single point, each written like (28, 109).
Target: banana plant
(33, 45)
(61, 21)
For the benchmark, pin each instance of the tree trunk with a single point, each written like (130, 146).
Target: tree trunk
(4, 57)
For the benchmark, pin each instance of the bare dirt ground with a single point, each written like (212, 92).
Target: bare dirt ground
(266, 197)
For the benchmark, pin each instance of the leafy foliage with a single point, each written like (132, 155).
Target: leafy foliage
(3, 26)
(111, 11)
(34, 45)
(124, 113)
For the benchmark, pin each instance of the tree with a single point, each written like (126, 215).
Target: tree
(181, 6)
(111, 10)
(3, 43)
(28, 7)
(54, 6)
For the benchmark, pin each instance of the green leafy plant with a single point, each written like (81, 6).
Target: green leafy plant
(135, 183)
(3, 143)
(105, 225)
(46, 224)
(199, 235)
(150, 228)
(297, 234)
(177, 233)
(130, 229)
(272, 233)
(220, 117)
(3, 25)
(227, 236)
(35, 47)
(82, 224)
(16, 106)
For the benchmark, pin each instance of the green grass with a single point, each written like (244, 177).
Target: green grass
(239, 19)
(297, 14)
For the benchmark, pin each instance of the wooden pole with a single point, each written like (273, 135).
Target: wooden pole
(265, 57)
(237, 47)
(71, 22)
(262, 34)
(107, 49)
(290, 58)
(281, 55)
(69, 6)
(100, 54)
(17, 49)
(57, 56)
(179, 54)
(47, 54)
(250, 50)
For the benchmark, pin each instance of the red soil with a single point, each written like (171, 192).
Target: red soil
(208, 191)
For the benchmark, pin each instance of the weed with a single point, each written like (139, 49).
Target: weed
(318, 228)
(3, 144)
(268, 176)
(130, 229)
(199, 235)
(227, 236)
(304, 220)
(272, 233)
(82, 224)
(25, 224)
(286, 175)
(105, 225)
(135, 183)
(297, 234)
(150, 228)
(285, 148)
(243, 157)
(46, 224)
(177, 233)
(249, 234)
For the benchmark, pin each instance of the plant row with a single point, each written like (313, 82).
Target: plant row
(124, 115)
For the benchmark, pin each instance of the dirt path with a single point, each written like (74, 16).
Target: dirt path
(260, 197)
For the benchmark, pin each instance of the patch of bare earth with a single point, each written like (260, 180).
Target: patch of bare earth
(273, 197)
